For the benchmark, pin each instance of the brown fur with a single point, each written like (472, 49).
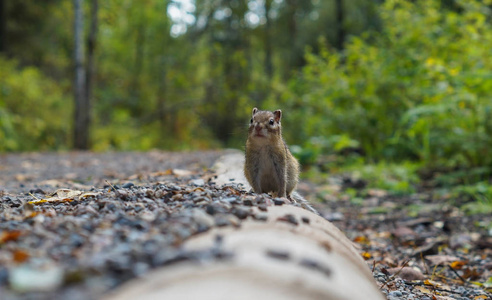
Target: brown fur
(269, 165)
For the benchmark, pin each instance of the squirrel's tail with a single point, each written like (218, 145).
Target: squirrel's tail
(303, 202)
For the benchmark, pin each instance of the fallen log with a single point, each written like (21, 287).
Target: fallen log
(294, 254)
(284, 253)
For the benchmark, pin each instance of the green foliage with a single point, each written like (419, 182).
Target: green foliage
(398, 179)
(418, 90)
(35, 111)
(480, 195)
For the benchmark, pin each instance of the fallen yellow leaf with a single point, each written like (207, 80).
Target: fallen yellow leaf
(423, 289)
(366, 255)
(457, 264)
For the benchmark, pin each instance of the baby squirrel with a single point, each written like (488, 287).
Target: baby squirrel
(269, 165)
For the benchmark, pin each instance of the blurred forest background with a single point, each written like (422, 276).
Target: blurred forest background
(402, 83)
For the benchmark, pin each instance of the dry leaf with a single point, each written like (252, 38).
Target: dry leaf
(441, 259)
(423, 289)
(407, 273)
(60, 195)
(66, 193)
(20, 256)
(7, 236)
(366, 255)
(168, 172)
(52, 182)
(457, 265)
(181, 172)
(361, 239)
(89, 194)
(404, 232)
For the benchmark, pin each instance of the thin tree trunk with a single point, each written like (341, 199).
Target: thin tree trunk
(161, 99)
(268, 42)
(340, 27)
(138, 64)
(292, 32)
(81, 113)
(3, 22)
(91, 67)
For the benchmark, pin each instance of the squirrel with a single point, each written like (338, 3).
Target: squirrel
(269, 166)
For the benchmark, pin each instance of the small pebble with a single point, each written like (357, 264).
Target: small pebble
(260, 216)
(198, 182)
(248, 202)
(30, 279)
(278, 201)
(289, 219)
(221, 221)
(241, 213)
(128, 185)
(395, 294)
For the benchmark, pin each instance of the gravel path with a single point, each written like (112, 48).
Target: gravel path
(76, 225)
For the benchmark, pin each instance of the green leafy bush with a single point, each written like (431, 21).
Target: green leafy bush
(35, 111)
(419, 90)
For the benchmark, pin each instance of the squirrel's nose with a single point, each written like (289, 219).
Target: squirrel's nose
(258, 127)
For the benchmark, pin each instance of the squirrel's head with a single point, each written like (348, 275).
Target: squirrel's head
(265, 125)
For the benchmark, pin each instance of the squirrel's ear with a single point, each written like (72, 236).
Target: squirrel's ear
(255, 110)
(278, 115)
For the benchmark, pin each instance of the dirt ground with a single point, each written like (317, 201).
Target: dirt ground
(61, 212)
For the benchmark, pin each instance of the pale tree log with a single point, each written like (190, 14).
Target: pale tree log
(289, 254)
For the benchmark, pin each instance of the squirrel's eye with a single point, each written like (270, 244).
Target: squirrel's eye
(251, 121)
(271, 122)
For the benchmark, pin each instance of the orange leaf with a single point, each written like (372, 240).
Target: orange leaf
(7, 236)
(32, 214)
(20, 256)
(428, 282)
(366, 255)
(361, 239)
(457, 265)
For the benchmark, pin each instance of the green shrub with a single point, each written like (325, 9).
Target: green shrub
(35, 111)
(418, 90)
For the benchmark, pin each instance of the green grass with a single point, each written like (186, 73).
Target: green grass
(401, 179)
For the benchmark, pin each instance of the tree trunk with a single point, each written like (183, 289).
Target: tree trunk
(138, 64)
(292, 32)
(268, 42)
(81, 136)
(161, 99)
(3, 23)
(91, 68)
(340, 28)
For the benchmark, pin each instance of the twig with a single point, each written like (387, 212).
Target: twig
(434, 272)
(422, 283)
(394, 275)
(112, 186)
(425, 264)
(35, 197)
(454, 271)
